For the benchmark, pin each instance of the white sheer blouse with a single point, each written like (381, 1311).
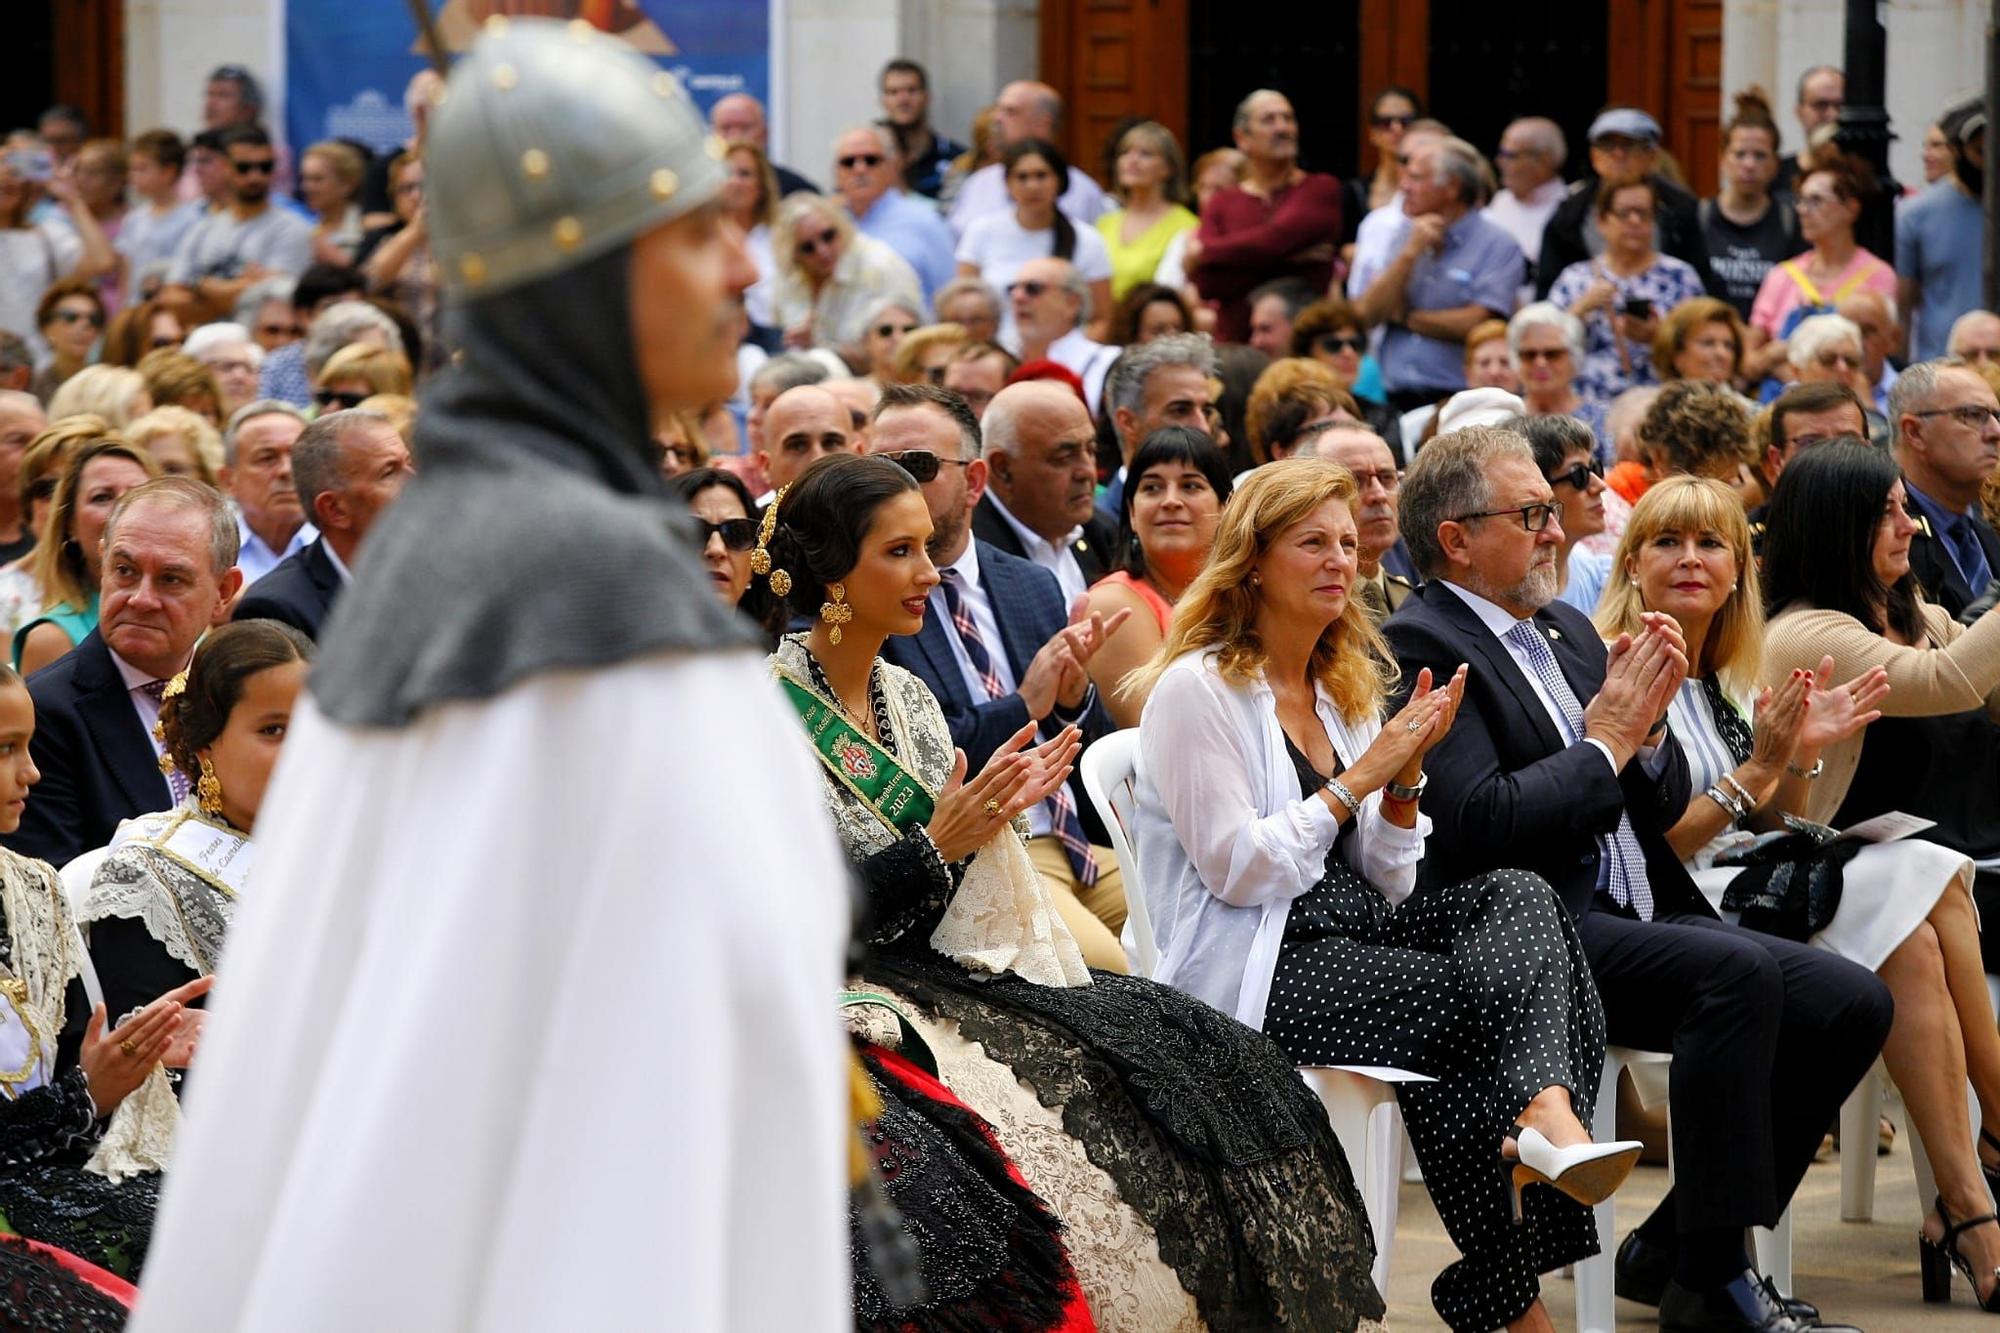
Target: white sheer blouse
(1224, 841)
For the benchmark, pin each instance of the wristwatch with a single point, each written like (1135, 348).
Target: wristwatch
(1396, 791)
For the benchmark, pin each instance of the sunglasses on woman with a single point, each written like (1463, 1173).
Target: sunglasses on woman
(825, 239)
(921, 463)
(1339, 342)
(1578, 475)
(334, 398)
(738, 534)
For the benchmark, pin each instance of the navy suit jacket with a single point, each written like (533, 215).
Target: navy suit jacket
(1096, 550)
(1028, 606)
(1938, 572)
(1506, 790)
(300, 591)
(98, 766)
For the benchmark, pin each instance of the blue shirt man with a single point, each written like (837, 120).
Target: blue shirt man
(1940, 238)
(867, 173)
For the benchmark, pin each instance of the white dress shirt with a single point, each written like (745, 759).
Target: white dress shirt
(339, 565)
(1526, 219)
(980, 607)
(144, 704)
(1059, 558)
(1088, 358)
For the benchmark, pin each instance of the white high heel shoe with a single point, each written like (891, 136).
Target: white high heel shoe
(1587, 1172)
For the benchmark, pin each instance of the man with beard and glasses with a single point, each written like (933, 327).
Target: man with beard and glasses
(250, 238)
(529, 684)
(1560, 762)
(1007, 613)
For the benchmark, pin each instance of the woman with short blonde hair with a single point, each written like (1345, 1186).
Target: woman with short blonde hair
(1278, 821)
(359, 372)
(180, 443)
(115, 393)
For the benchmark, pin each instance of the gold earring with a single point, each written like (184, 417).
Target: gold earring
(835, 612)
(208, 790)
(760, 559)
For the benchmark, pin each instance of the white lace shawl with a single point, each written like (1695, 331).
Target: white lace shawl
(1000, 919)
(188, 915)
(45, 948)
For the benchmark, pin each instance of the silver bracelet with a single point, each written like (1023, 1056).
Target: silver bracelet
(1346, 797)
(1730, 805)
(1809, 774)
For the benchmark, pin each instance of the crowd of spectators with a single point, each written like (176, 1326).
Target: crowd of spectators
(1738, 474)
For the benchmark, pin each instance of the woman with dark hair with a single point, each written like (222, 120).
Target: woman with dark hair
(726, 525)
(67, 1067)
(1389, 116)
(1179, 482)
(1280, 827)
(1829, 199)
(1747, 228)
(68, 562)
(1622, 294)
(1902, 909)
(1195, 1175)
(1149, 311)
(995, 245)
(1838, 584)
(70, 317)
(161, 900)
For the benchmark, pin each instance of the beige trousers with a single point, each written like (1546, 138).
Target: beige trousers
(1095, 914)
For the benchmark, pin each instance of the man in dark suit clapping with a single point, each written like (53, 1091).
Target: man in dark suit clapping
(998, 650)
(169, 575)
(1560, 762)
(349, 467)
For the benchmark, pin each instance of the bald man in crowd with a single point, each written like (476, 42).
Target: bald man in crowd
(801, 425)
(741, 116)
(1024, 110)
(1041, 490)
(1975, 337)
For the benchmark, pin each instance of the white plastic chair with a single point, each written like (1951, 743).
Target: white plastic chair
(1596, 1279)
(1360, 1100)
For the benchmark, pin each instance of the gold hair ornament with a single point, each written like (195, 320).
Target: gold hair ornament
(760, 559)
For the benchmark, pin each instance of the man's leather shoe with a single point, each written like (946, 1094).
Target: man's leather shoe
(1641, 1272)
(1745, 1303)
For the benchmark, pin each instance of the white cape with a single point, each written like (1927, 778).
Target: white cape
(528, 1024)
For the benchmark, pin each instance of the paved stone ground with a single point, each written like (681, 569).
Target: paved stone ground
(1863, 1273)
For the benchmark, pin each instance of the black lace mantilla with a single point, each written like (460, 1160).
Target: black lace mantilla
(68, 1207)
(38, 1295)
(989, 1251)
(1203, 1124)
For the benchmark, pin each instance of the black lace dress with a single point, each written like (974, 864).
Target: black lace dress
(45, 1138)
(1207, 1131)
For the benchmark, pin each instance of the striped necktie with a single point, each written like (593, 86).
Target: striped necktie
(1623, 855)
(1062, 808)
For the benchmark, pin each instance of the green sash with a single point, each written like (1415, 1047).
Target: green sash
(859, 764)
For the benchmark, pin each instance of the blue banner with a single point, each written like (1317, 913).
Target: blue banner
(348, 61)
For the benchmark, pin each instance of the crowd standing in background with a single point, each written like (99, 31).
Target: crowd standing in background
(1511, 566)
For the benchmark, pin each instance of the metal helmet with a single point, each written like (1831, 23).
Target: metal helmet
(554, 143)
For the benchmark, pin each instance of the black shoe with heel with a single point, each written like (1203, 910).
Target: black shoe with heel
(1938, 1257)
(1992, 1173)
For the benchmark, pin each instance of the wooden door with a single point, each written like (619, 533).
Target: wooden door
(1666, 56)
(1115, 61)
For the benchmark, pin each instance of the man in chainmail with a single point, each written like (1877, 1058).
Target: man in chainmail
(527, 1022)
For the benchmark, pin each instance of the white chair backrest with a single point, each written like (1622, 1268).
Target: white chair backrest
(1110, 779)
(76, 877)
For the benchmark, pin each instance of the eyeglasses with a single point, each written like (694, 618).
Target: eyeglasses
(825, 238)
(1027, 287)
(282, 330)
(1384, 122)
(409, 187)
(90, 317)
(892, 330)
(1830, 359)
(921, 463)
(738, 534)
(1339, 342)
(853, 160)
(1808, 202)
(329, 397)
(1549, 354)
(1972, 416)
(257, 167)
(1387, 478)
(1632, 213)
(160, 340)
(1534, 517)
(1577, 475)
(1823, 105)
(231, 367)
